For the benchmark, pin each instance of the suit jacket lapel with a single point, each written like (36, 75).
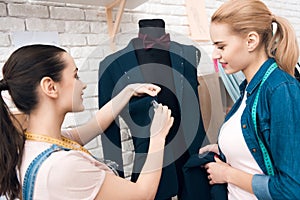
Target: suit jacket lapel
(132, 72)
(177, 61)
(129, 65)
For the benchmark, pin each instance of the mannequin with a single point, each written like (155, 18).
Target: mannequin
(153, 57)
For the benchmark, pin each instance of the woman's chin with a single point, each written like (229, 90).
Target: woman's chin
(229, 71)
(78, 109)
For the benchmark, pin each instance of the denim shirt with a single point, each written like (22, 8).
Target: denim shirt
(278, 124)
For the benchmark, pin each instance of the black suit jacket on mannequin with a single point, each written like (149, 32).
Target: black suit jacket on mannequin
(120, 69)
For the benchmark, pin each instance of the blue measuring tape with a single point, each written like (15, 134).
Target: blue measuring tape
(266, 156)
(31, 172)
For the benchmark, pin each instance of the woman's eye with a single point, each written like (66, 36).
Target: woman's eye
(221, 47)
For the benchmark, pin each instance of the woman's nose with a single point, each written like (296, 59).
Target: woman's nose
(216, 54)
(84, 85)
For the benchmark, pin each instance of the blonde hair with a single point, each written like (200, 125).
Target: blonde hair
(253, 15)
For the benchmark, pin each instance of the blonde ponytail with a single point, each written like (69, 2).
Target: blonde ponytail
(284, 46)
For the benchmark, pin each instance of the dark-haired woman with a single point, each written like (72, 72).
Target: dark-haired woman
(46, 163)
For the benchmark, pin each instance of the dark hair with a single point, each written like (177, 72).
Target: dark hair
(243, 17)
(21, 75)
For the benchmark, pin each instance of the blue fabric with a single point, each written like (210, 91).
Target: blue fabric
(278, 119)
(32, 170)
(196, 184)
(257, 182)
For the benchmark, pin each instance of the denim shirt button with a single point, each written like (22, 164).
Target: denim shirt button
(244, 126)
(253, 150)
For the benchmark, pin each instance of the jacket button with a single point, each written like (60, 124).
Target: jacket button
(254, 150)
(244, 126)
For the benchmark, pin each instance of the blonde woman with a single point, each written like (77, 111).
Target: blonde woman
(260, 136)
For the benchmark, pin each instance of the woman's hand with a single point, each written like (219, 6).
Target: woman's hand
(211, 147)
(139, 89)
(217, 171)
(162, 121)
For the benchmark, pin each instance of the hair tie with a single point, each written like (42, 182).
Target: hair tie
(3, 85)
(274, 27)
(274, 24)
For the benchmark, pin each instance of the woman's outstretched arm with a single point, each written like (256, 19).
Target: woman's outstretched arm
(105, 115)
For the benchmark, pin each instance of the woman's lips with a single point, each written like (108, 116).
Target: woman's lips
(224, 65)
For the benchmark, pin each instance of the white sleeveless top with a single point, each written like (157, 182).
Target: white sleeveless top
(234, 147)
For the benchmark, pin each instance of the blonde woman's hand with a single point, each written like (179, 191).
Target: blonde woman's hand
(139, 89)
(217, 171)
(211, 147)
(162, 121)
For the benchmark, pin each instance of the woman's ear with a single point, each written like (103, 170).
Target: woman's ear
(49, 87)
(252, 41)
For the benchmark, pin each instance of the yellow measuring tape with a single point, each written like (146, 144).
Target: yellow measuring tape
(64, 142)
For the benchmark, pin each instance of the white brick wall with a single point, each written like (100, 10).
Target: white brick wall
(83, 32)
(66, 13)
(28, 11)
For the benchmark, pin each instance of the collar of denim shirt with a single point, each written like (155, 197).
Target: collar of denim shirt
(256, 80)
